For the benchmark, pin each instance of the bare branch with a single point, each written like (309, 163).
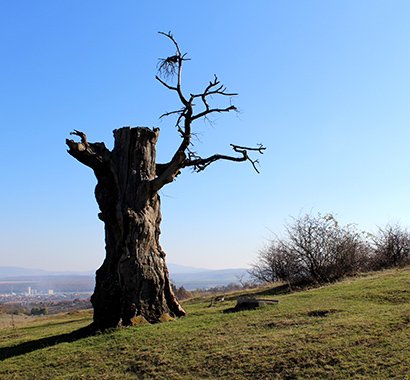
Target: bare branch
(209, 91)
(221, 90)
(178, 122)
(260, 148)
(244, 150)
(171, 37)
(180, 111)
(213, 110)
(165, 84)
(200, 164)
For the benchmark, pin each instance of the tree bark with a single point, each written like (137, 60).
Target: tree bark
(133, 280)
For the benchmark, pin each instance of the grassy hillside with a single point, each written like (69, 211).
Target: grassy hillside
(359, 328)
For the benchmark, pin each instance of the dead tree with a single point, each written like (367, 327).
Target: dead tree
(133, 280)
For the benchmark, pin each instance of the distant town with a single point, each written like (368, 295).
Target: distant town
(35, 302)
(32, 294)
(38, 293)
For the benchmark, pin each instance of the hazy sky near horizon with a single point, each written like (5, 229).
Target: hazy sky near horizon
(325, 85)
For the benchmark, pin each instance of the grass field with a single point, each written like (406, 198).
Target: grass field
(359, 328)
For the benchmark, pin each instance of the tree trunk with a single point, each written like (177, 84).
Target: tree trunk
(133, 281)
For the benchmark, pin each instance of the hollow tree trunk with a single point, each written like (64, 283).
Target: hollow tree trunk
(133, 279)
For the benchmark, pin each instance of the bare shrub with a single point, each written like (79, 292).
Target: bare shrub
(391, 247)
(316, 249)
(268, 264)
(276, 263)
(39, 311)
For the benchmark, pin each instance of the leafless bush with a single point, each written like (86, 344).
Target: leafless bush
(316, 250)
(276, 263)
(391, 247)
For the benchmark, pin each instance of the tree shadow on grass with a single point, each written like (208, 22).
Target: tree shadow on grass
(38, 344)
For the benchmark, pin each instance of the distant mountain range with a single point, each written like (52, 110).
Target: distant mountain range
(6, 272)
(16, 278)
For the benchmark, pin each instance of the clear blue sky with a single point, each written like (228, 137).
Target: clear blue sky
(325, 85)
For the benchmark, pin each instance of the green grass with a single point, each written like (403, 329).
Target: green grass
(359, 328)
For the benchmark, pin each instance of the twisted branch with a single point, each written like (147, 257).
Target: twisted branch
(198, 163)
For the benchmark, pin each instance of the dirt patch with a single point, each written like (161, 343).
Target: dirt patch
(321, 313)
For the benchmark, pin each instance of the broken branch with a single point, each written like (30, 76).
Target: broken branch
(92, 155)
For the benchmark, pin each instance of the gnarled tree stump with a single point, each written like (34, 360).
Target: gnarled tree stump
(133, 280)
